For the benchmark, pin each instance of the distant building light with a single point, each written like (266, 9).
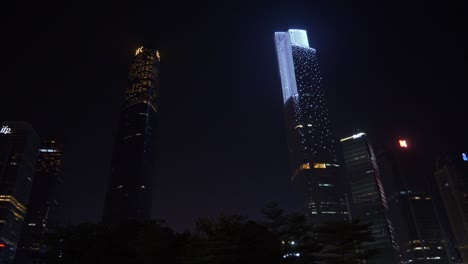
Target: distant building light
(139, 50)
(5, 130)
(305, 166)
(32, 224)
(320, 166)
(355, 136)
(2, 245)
(47, 150)
(465, 158)
(403, 143)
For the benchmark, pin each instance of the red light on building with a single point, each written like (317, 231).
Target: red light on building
(403, 143)
(2, 245)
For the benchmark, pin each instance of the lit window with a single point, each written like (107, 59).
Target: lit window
(320, 166)
(305, 166)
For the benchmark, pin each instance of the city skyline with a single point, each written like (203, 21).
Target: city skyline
(220, 115)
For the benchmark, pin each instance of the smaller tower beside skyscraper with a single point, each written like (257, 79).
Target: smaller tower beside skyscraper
(45, 202)
(19, 145)
(451, 173)
(368, 201)
(132, 169)
(412, 211)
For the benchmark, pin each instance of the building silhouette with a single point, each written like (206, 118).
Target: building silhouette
(418, 231)
(451, 173)
(129, 190)
(312, 147)
(45, 202)
(19, 146)
(367, 195)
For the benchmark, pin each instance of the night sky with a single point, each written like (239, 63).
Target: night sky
(391, 70)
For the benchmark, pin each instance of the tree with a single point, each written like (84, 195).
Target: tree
(345, 242)
(230, 239)
(294, 231)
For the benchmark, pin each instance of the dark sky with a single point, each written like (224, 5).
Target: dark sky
(390, 70)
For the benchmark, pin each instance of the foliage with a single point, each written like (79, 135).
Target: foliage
(345, 242)
(225, 239)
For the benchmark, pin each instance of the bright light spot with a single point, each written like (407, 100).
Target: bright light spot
(403, 143)
(47, 150)
(358, 135)
(139, 50)
(465, 158)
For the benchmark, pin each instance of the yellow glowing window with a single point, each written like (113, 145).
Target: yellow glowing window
(305, 166)
(320, 166)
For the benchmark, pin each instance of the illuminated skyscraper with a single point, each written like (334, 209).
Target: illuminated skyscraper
(368, 201)
(129, 190)
(45, 202)
(312, 147)
(19, 146)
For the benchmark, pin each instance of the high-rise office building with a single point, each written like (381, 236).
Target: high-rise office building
(129, 190)
(451, 173)
(418, 231)
(368, 201)
(44, 204)
(312, 147)
(19, 146)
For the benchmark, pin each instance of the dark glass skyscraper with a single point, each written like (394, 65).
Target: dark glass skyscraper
(369, 204)
(451, 173)
(19, 146)
(129, 191)
(45, 202)
(412, 211)
(312, 148)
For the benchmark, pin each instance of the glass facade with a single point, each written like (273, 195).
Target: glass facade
(418, 231)
(368, 201)
(129, 191)
(45, 201)
(312, 148)
(18, 155)
(451, 173)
